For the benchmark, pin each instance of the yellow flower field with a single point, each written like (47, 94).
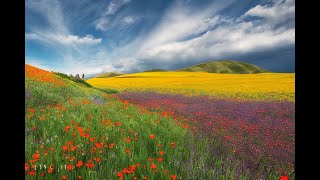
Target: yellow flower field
(265, 86)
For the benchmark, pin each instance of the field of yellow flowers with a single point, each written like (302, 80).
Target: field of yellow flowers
(266, 86)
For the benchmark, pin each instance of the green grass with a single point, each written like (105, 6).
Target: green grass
(225, 67)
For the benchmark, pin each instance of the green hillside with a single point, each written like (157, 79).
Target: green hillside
(110, 74)
(225, 67)
(155, 70)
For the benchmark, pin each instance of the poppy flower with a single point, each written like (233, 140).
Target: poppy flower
(50, 170)
(152, 136)
(160, 159)
(173, 144)
(125, 170)
(174, 177)
(128, 139)
(111, 145)
(36, 156)
(26, 166)
(69, 167)
(97, 159)
(150, 159)
(64, 177)
(161, 153)
(67, 128)
(42, 174)
(98, 145)
(138, 164)
(79, 163)
(153, 166)
(79, 177)
(132, 168)
(31, 172)
(284, 178)
(120, 175)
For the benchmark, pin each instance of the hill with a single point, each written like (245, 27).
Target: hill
(155, 70)
(225, 67)
(107, 75)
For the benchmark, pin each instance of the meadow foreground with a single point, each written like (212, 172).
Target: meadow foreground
(74, 131)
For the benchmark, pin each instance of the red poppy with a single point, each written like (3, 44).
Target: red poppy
(185, 126)
(31, 172)
(79, 177)
(128, 139)
(91, 165)
(51, 148)
(138, 164)
(159, 145)
(160, 159)
(125, 170)
(64, 147)
(98, 145)
(42, 174)
(152, 136)
(174, 177)
(36, 156)
(64, 177)
(161, 153)
(26, 166)
(67, 128)
(79, 163)
(284, 178)
(132, 168)
(97, 159)
(150, 159)
(120, 175)
(111, 145)
(50, 170)
(69, 167)
(128, 151)
(173, 144)
(153, 166)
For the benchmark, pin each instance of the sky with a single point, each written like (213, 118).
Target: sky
(95, 36)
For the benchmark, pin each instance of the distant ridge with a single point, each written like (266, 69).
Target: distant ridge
(225, 67)
(107, 75)
(155, 70)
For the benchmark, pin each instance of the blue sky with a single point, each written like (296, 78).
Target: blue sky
(95, 36)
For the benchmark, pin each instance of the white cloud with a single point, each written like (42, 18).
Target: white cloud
(72, 40)
(114, 5)
(101, 24)
(31, 36)
(129, 20)
(280, 11)
(185, 36)
(51, 10)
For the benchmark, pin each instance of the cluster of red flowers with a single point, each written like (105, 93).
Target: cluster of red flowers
(42, 76)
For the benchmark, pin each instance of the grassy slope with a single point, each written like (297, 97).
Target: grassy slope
(51, 109)
(225, 67)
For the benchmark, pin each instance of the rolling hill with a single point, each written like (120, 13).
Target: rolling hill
(155, 70)
(225, 67)
(107, 75)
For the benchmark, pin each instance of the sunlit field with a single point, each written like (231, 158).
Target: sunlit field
(78, 132)
(266, 86)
